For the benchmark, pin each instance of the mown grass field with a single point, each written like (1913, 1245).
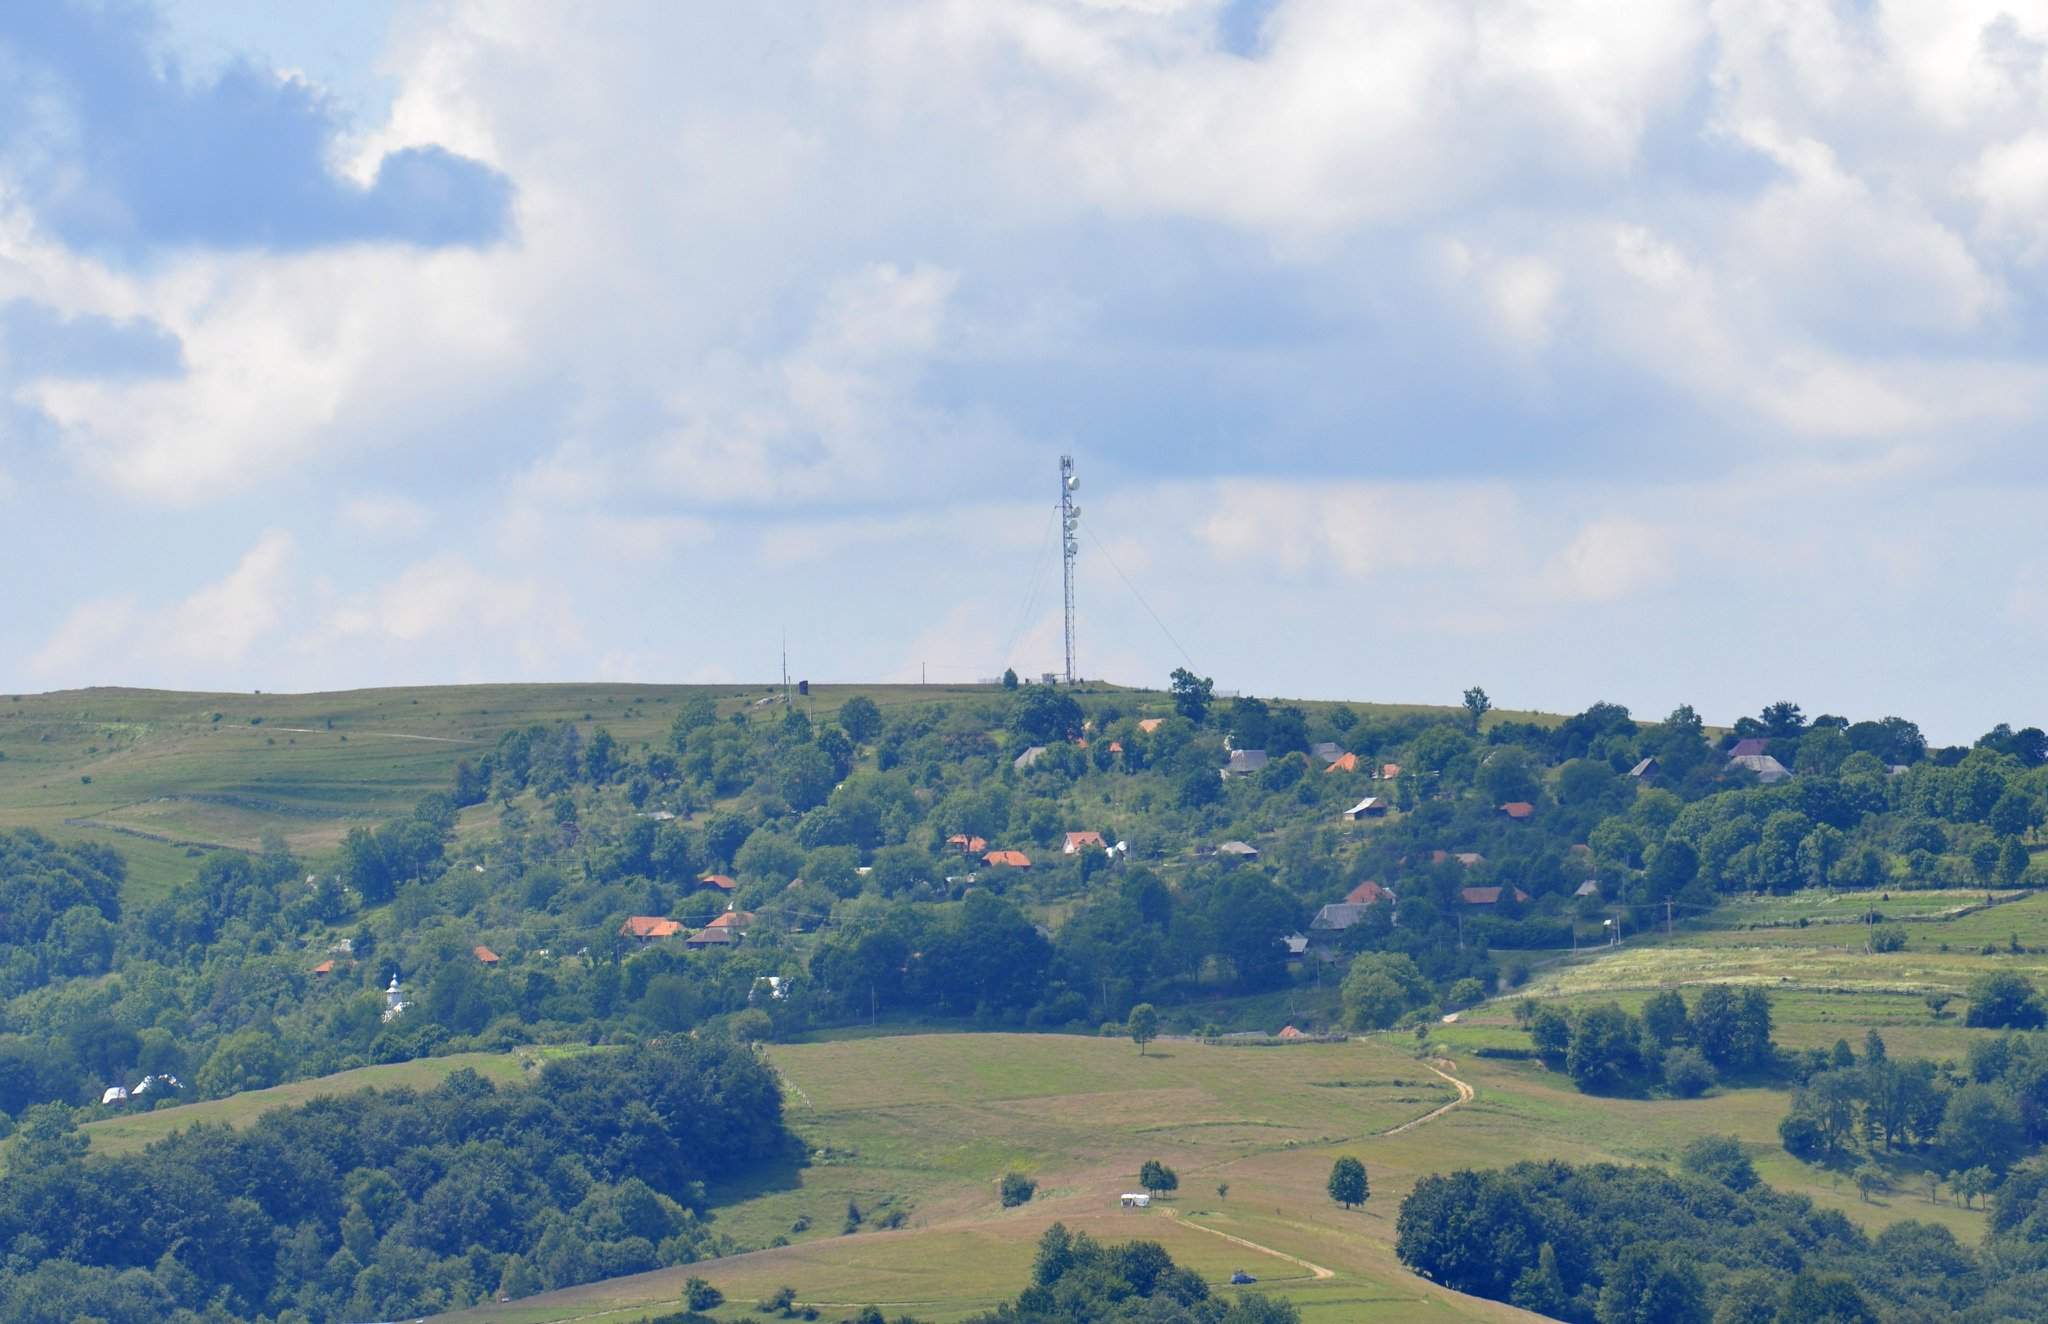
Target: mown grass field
(928, 1122)
(120, 1135)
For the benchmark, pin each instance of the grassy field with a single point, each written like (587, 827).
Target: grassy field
(119, 1135)
(926, 1123)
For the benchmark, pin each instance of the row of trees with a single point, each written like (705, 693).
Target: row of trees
(1679, 1048)
(376, 1205)
(1605, 1244)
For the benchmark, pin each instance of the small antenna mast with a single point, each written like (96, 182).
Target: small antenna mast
(1070, 524)
(785, 668)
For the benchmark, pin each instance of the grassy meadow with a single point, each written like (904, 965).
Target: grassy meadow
(927, 1123)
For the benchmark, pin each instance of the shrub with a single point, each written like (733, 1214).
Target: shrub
(1686, 1074)
(1017, 1189)
(1889, 938)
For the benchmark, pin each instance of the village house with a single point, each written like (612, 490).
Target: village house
(1077, 841)
(967, 845)
(1767, 769)
(1369, 893)
(1645, 770)
(717, 882)
(1151, 724)
(1245, 762)
(1372, 806)
(1233, 851)
(1519, 811)
(484, 955)
(1028, 757)
(1342, 763)
(1007, 859)
(1489, 896)
(646, 928)
(1326, 750)
(1749, 747)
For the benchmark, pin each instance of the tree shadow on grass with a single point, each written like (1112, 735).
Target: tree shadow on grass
(779, 1171)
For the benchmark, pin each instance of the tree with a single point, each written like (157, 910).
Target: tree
(1477, 705)
(1143, 1023)
(1379, 986)
(701, 1296)
(1981, 1128)
(1156, 1177)
(1719, 1159)
(1603, 1054)
(860, 719)
(1937, 1004)
(1869, 1177)
(1009, 678)
(1832, 1299)
(1192, 694)
(1644, 1287)
(2004, 1000)
(1664, 1016)
(1347, 1182)
(1017, 1189)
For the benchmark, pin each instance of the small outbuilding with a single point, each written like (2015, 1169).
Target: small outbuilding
(1372, 806)
(1137, 1199)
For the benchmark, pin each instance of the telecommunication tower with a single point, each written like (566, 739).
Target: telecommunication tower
(1070, 525)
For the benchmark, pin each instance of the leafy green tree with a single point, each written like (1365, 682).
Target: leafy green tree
(1144, 1025)
(1379, 987)
(1016, 1189)
(1646, 1287)
(1156, 1177)
(2004, 1000)
(1825, 1299)
(1664, 1016)
(860, 719)
(1477, 705)
(701, 1296)
(1721, 1159)
(1981, 1128)
(1347, 1184)
(1192, 694)
(1009, 678)
(1603, 1054)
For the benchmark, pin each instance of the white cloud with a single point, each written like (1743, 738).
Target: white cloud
(386, 516)
(218, 623)
(1609, 558)
(82, 649)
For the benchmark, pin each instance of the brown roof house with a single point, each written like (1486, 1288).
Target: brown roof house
(717, 882)
(1077, 841)
(1521, 811)
(1369, 893)
(1488, 896)
(1343, 763)
(484, 955)
(649, 927)
(1007, 859)
(967, 845)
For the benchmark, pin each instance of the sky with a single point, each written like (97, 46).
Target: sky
(1657, 353)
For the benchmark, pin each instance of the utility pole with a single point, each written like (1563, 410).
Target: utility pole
(1070, 523)
(1667, 916)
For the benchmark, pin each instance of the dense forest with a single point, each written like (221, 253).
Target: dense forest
(379, 1204)
(911, 862)
(1617, 1245)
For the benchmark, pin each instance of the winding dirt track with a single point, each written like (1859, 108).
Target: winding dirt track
(1465, 1093)
(1315, 1270)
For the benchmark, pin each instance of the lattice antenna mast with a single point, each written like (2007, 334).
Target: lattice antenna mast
(1070, 525)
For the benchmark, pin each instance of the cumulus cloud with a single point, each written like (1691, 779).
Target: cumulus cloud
(115, 151)
(786, 309)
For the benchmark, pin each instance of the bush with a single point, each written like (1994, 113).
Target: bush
(1017, 1189)
(2002, 1001)
(1889, 938)
(701, 1296)
(1686, 1074)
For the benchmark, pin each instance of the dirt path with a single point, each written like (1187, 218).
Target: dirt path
(1465, 1093)
(388, 735)
(1315, 1270)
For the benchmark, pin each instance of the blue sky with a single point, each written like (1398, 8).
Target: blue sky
(1659, 353)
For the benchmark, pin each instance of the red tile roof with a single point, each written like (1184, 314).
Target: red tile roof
(1290, 1032)
(1345, 763)
(717, 880)
(1390, 770)
(1518, 809)
(1076, 840)
(1013, 859)
(649, 926)
(733, 919)
(971, 845)
(1368, 893)
(324, 968)
(484, 954)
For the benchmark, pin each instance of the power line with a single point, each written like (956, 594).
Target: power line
(1141, 600)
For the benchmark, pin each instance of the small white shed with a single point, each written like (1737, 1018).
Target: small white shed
(1137, 1200)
